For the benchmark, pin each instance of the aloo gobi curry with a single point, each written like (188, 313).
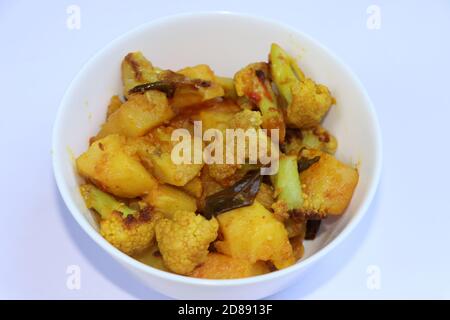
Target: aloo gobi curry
(214, 220)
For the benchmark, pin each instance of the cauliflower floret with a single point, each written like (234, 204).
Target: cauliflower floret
(316, 137)
(184, 239)
(307, 102)
(225, 173)
(132, 234)
(246, 119)
(253, 82)
(310, 103)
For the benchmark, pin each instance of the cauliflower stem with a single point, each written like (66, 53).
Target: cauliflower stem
(287, 183)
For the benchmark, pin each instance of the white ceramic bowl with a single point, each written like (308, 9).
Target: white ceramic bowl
(226, 42)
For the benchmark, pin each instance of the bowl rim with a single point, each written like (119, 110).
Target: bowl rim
(124, 258)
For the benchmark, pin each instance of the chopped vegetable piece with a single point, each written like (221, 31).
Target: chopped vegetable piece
(183, 90)
(297, 247)
(103, 203)
(114, 104)
(133, 234)
(112, 166)
(328, 185)
(304, 163)
(130, 230)
(200, 71)
(295, 227)
(184, 240)
(253, 82)
(253, 233)
(307, 102)
(228, 87)
(194, 187)
(168, 199)
(136, 70)
(166, 171)
(241, 194)
(282, 73)
(138, 115)
(220, 266)
(287, 183)
(316, 137)
(265, 196)
(312, 228)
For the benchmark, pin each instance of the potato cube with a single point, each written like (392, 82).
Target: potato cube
(219, 115)
(167, 200)
(136, 70)
(109, 165)
(138, 115)
(327, 185)
(253, 233)
(228, 87)
(201, 71)
(175, 174)
(219, 266)
(186, 95)
(194, 187)
(114, 104)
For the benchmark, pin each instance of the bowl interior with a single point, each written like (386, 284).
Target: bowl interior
(226, 42)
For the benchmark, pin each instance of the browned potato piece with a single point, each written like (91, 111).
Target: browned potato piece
(110, 166)
(265, 196)
(209, 186)
(167, 200)
(155, 152)
(194, 187)
(190, 95)
(201, 71)
(327, 185)
(228, 87)
(294, 228)
(136, 70)
(175, 174)
(219, 266)
(253, 233)
(218, 116)
(138, 115)
(114, 105)
(297, 247)
(186, 96)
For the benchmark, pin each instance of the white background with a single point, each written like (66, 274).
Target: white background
(404, 66)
